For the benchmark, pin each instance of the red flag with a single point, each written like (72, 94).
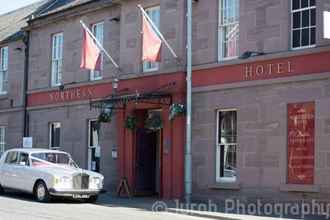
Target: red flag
(91, 54)
(151, 43)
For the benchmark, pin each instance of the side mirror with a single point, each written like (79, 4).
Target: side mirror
(22, 163)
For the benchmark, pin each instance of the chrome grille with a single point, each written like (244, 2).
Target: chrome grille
(81, 181)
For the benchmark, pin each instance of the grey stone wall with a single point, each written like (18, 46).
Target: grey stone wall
(13, 121)
(40, 48)
(262, 139)
(12, 103)
(74, 136)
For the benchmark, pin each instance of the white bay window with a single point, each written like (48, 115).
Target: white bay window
(154, 14)
(3, 70)
(98, 31)
(57, 59)
(226, 167)
(2, 139)
(54, 135)
(303, 15)
(228, 31)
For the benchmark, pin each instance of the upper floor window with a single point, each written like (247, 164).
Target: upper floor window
(54, 135)
(2, 139)
(3, 70)
(226, 146)
(228, 29)
(154, 14)
(303, 13)
(98, 32)
(57, 59)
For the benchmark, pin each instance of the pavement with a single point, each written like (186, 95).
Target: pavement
(17, 206)
(14, 206)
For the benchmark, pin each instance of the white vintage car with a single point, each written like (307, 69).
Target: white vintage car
(47, 173)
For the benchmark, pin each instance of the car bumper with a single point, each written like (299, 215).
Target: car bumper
(75, 193)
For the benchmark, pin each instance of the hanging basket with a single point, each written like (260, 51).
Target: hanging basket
(130, 122)
(176, 110)
(105, 116)
(154, 121)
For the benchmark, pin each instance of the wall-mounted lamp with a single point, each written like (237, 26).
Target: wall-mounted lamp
(62, 87)
(115, 84)
(116, 19)
(19, 49)
(248, 54)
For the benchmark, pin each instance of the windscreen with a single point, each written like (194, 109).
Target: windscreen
(49, 158)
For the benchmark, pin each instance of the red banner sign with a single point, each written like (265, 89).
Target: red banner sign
(301, 139)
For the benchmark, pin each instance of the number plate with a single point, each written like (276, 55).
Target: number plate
(81, 196)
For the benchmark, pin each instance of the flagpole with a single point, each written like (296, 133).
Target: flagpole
(157, 31)
(99, 44)
(188, 150)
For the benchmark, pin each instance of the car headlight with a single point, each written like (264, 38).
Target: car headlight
(96, 181)
(64, 181)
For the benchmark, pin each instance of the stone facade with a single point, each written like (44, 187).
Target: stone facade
(262, 139)
(262, 118)
(261, 106)
(12, 103)
(74, 136)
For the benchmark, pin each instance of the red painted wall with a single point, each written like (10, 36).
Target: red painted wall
(298, 65)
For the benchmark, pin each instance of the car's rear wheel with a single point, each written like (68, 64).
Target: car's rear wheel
(41, 192)
(92, 199)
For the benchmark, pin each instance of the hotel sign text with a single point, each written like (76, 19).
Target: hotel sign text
(74, 94)
(267, 70)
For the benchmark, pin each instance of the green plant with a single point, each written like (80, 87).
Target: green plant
(105, 116)
(176, 110)
(154, 121)
(130, 122)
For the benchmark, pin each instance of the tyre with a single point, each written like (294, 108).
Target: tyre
(2, 191)
(92, 199)
(41, 192)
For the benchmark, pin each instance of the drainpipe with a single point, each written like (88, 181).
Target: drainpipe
(26, 40)
(188, 157)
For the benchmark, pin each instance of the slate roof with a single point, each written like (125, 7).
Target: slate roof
(11, 23)
(54, 6)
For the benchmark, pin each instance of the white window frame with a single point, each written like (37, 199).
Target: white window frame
(4, 57)
(221, 28)
(2, 139)
(89, 141)
(300, 28)
(152, 66)
(94, 74)
(50, 134)
(57, 59)
(218, 146)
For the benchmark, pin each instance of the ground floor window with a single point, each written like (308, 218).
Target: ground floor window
(94, 149)
(2, 139)
(226, 149)
(54, 135)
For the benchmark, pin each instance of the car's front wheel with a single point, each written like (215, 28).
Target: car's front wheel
(1, 190)
(41, 192)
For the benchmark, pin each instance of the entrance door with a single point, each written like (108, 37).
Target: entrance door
(94, 149)
(146, 161)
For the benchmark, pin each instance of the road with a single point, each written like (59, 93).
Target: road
(17, 206)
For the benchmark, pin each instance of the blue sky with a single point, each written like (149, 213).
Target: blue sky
(9, 5)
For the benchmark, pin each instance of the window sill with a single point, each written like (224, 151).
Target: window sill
(299, 188)
(227, 59)
(96, 79)
(150, 70)
(228, 186)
